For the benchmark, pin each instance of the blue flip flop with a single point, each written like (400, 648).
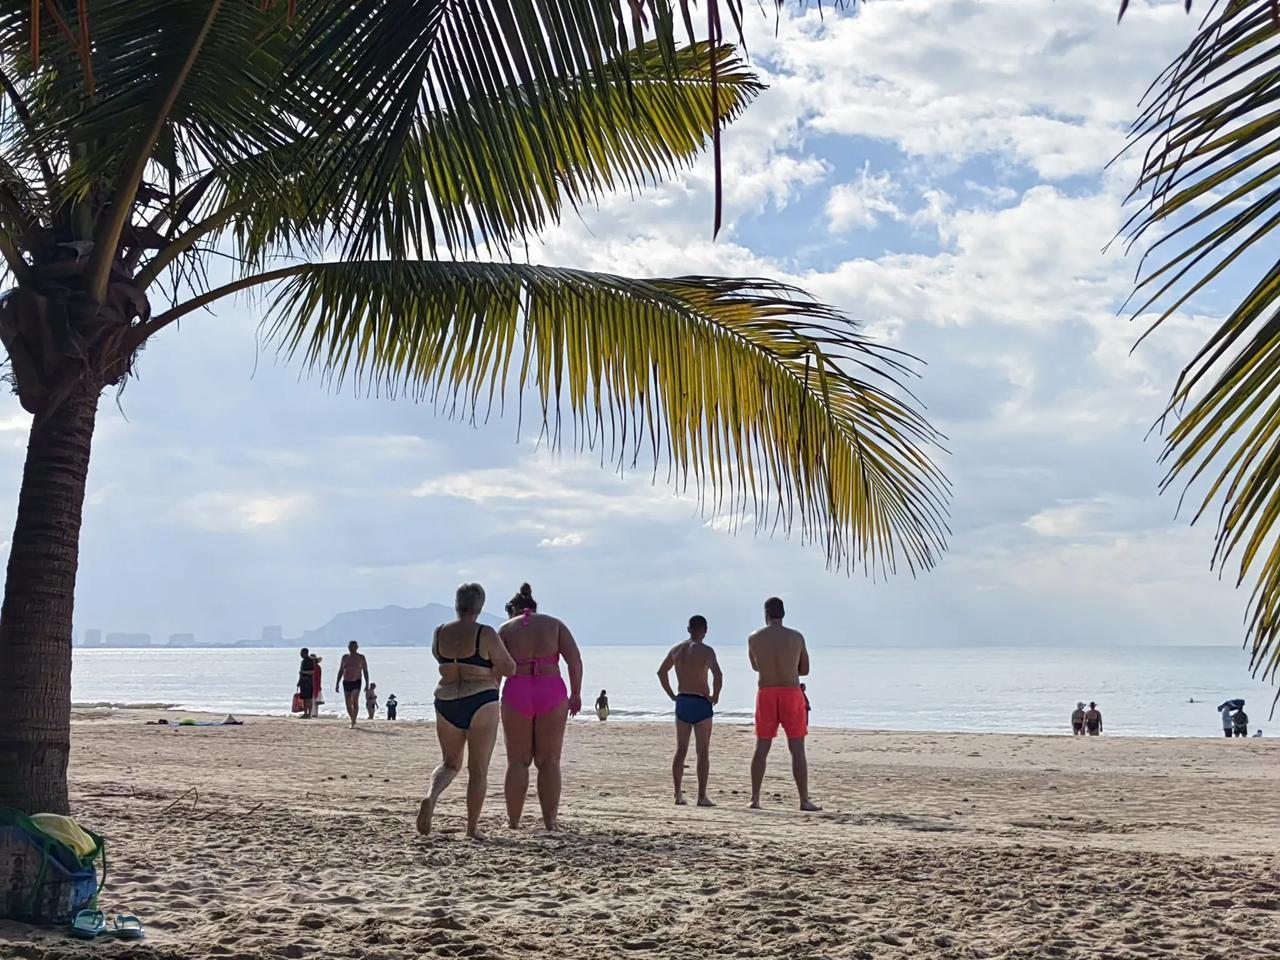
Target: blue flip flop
(125, 926)
(88, 924)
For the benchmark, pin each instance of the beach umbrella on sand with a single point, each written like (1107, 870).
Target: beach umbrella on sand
(1233, 704)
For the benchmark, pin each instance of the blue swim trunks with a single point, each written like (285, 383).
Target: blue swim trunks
(692, 708)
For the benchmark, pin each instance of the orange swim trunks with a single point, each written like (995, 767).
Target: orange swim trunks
(781, 706)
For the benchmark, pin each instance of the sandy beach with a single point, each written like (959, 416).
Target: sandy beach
(290, 839)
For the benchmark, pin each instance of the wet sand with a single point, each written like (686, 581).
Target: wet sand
(291, 839)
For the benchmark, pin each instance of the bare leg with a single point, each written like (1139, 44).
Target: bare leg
(370, 713)
(480, 740)
(353, 705)
(677, 765)
(548, 741)
(757, 769)
(517, 732)
(800, 771)
(308, 709)
(702, 739)
(452, 742)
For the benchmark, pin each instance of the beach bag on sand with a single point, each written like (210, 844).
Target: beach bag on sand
(48, 867)
(297, 706)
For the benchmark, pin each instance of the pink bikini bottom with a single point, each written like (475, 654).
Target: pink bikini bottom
(534, 696)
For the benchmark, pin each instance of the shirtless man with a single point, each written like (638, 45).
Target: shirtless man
(350, 671)
(779, 656)
(692, 660)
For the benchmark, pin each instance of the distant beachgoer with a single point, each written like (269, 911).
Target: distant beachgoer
(695, 703)
(535, 704)
(392, 704)
(779, 656)
(307, 684)
(318, 685)
(472, 659)
(350, 671)
(1077, 719)
(1228, 727)
(1240, 723)
(1257, 733)
(602, 705)
(371, 699)
(1093, 720)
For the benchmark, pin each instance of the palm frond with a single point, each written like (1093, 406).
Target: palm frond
(1211, 182)
(499, 168)
(771, 404)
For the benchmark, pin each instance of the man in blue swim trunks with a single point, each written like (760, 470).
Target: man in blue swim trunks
(692, 661)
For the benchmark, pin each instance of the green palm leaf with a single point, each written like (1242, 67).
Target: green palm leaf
(502, 166)
(1211, 178)
(772, 403)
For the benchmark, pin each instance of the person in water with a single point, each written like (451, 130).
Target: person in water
(1226, 710)
(392, 703)
(602, 705)
(371, 699)
(472, 660)
(1093, 720)
(351, 670)
(1240, 723)
(1077, 719)
(779, 656)
(695, 703)
(307, 683)
(535, 704)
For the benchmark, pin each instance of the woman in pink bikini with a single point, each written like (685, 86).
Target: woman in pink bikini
(535, 703)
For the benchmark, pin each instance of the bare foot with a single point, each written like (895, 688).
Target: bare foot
(755, 805)
(425, 809)
(474, 834)
(705, 802)
(552, 827)
(809, 805)
(513, 824)
(679, 799)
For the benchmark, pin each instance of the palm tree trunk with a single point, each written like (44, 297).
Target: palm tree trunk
(35, 621)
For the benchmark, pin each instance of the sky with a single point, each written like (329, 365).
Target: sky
(935, 168)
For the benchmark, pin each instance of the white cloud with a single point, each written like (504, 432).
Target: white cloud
(224, 512)
(1051, 88)
(861, 202)
(571, 539)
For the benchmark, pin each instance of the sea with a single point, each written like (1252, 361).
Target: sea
(1141, 691)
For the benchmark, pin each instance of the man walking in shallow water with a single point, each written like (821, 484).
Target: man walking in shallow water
(351, 670)
(779, 656)
(693, 660)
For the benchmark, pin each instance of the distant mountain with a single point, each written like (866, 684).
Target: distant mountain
(387, 627)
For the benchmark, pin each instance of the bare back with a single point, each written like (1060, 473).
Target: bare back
(693, 661)
(533, 641)
(460, 640)
(778, 655)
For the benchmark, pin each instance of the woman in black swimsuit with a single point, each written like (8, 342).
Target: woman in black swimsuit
(472, 658)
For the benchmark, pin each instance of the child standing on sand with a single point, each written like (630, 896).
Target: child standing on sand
(371, 699)
(392, 703)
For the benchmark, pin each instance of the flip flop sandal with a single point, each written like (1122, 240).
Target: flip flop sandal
(125, 926)
(87, 924)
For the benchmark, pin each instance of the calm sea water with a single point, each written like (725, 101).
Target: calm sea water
(1140, 690)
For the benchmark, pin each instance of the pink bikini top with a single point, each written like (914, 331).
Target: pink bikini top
(552, 659)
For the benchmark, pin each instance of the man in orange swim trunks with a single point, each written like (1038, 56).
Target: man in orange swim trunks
(779, 656)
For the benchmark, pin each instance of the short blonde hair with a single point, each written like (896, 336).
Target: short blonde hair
(469, 599)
